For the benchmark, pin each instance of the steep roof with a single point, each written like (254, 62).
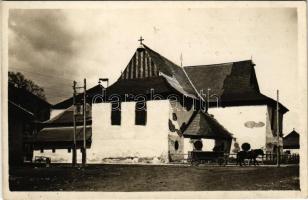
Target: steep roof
(203, 125)
(146, 65)
(234, 83)
(291, 141)
(20, 95)
(66, 118)
(24, 100)
(90, 94)
(20, 109)
(146, 70)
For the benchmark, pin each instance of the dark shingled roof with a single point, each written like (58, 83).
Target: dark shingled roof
(66, 118)
(204, 125)
(61, 138)
(170, 78)
(172, 70)
(235, 83)
(57, 134)
(24, 100)
(166, 78)
(136, 86)
(90, 94)
(291, 141)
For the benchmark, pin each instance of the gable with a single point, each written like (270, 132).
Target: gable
(146, 65)
(203, 125)
(140, 66)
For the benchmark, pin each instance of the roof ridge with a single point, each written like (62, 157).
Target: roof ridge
(160, 55)
(212, 65)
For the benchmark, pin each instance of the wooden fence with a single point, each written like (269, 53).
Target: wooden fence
(267, 159)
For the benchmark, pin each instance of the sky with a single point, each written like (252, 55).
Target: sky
(53, 47)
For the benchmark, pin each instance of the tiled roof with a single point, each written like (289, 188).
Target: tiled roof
(204, 125)
(234, 83)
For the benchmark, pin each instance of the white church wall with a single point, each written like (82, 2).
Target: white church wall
(128, 139)
(177, 116)
(247, 123)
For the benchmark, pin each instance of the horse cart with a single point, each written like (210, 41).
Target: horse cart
(202, 157)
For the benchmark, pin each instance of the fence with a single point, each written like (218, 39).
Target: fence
(267, 159)
(284, 158)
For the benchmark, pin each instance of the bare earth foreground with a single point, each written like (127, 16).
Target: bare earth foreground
(154, 178)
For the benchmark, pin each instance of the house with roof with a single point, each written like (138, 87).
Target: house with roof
(157, 109)
(24, 111)
(236, 101)
(291, 143)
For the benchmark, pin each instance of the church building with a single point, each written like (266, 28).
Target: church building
(157, 111)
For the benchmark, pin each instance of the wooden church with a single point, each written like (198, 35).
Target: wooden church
(159, 111)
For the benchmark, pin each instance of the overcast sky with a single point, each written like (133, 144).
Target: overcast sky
(55, 47)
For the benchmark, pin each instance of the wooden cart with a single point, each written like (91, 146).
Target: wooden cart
(202, 157)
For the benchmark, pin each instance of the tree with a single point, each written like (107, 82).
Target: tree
(18, 80)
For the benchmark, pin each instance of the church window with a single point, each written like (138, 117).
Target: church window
(141, 113)
(174, 117)
(176, 145)
(116, 113)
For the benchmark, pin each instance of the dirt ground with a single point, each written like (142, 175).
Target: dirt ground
(153, 178)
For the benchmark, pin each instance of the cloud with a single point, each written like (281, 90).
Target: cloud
(42, 47)
(44, 29)
(253, 124)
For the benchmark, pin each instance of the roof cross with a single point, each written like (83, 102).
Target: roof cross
(141, 39)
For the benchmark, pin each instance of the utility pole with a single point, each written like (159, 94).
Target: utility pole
(84, 151)
(74, 153)
(277, 129)
(208, 99)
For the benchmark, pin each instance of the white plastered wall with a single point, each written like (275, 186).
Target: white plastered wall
(234, 119)
(182, 116)
(129, 140)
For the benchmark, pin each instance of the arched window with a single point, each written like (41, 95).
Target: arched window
(141, 113)
(115, 113)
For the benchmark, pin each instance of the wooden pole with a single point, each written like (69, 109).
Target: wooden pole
(74, 153)
(84, 152)
(208, 99)
(277, 129)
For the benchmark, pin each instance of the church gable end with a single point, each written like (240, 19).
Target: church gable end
(140, 66)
